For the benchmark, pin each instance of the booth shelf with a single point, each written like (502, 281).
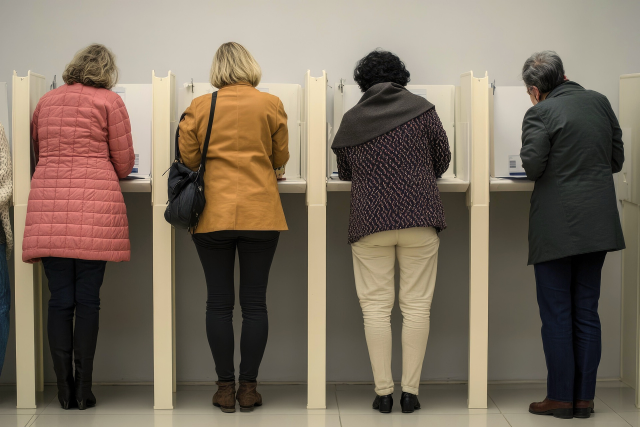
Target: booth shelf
(136, 185)
(506, 184)
(445, 185)
(293, 185)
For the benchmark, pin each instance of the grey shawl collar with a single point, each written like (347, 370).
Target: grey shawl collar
(382, 108)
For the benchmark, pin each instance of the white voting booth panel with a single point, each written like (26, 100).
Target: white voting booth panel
(138, 100)
(508, 105)
(628, 189)
(291, 96)
(443, 97)
(27, 91)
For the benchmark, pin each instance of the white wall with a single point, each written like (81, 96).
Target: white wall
(437, 40)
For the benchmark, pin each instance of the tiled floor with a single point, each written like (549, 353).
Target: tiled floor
(347, 406)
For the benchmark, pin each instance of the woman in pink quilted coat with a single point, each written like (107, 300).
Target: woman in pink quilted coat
(76, 217)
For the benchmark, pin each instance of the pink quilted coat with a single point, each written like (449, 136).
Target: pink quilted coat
(82, 141)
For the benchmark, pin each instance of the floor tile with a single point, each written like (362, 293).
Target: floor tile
(113, 400)
(8, 401)
(15, 420)
(229, 420)
(278, 400)
(596, 420)
(620, 399)
(632, 418)
(408, 420)
(434, 399)
(517, 400)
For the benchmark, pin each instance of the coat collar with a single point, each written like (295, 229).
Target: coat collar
(239, 84)
(564, 88)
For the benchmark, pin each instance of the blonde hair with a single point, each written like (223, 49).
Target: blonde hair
(95, 65)
(232, 64)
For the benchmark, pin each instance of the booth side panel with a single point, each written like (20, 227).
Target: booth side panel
(479, 244)
(317, 257)
(163, 284)
(630, 256)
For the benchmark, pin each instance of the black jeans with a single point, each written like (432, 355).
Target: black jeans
(568, 294)
(217, 251)
(75, 288)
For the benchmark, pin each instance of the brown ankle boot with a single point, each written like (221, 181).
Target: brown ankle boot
(248, 397)
(583, 408)
(552, 407)
(225, 397)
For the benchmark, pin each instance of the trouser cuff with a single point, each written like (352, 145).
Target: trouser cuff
(384, 391)
(412, 390)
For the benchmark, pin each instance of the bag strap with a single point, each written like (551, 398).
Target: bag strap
(178, 157)
(214, 97)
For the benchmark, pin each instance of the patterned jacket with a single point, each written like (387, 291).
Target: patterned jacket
(6, 190)
(394, 178)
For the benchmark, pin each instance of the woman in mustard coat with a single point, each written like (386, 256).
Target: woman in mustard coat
(249, 139)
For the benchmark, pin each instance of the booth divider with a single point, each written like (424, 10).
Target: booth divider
(28, 290)
(628, 189)
(164, 310)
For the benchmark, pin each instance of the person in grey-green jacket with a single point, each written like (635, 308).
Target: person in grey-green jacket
(571, 147)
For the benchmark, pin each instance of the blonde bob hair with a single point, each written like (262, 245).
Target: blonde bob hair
(232, 64)
(95, 65)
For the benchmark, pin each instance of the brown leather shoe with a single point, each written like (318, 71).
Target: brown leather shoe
(562, 410)
(248, 397)
(225, 397)
(583, 408)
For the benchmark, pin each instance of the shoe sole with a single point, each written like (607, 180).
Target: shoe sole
(410, 411)
(226, 410)
(583, 412)
(563, 413)
(250, 408)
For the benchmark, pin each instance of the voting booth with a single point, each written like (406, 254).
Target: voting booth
(507, 107)
(455, 179)
(292, 96)
(152, 110)
(464, 113)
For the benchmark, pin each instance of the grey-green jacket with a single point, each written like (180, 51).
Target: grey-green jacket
(571, 147)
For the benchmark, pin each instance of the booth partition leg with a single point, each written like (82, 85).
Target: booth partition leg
(163, 311)
(317, 347)
(25, 319)
(39, 345)
(478, 306)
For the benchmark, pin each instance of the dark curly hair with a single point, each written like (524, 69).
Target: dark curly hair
(380, 66)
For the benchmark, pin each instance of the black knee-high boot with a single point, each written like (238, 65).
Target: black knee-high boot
(60, 331)
(86, 338)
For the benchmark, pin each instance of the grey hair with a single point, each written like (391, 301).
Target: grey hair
(543, 70)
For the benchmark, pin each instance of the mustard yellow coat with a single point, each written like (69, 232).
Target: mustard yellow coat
(249, 139)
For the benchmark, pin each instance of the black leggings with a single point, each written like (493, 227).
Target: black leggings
(217, 251)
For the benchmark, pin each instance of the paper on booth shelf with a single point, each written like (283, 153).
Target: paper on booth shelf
(138, 98)
(510, 104)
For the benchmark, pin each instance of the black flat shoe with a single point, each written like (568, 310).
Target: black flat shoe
(409, 402)
(383, 403)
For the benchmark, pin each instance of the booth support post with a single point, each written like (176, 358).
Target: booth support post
(164, 360)
(476, 90)
(28, 297)
(316, 119)
(628, 191)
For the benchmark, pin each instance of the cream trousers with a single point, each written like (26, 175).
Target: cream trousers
(374, 258)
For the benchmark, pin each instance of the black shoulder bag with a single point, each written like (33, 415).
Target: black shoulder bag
(186, 187)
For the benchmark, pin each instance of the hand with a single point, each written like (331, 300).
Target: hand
(279, 172)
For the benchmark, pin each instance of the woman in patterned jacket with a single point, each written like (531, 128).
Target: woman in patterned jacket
(392, 147)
